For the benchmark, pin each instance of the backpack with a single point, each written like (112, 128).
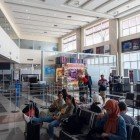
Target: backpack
(72, 125)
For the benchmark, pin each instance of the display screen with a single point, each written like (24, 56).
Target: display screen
(4, 66)
(131, 45)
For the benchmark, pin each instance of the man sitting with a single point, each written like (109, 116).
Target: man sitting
(123, 109)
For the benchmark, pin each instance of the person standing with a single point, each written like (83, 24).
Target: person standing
(89, 83)
(102, 83)
(110, 83)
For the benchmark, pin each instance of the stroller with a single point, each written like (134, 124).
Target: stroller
(32, 131)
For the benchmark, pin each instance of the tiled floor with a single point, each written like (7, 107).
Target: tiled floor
(12, 125)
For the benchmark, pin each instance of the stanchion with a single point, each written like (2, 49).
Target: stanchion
(17, 97)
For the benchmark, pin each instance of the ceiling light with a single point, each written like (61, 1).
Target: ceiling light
(26, 10)
(69, 16)
(115, 13)
(28, 17)
(76, 2)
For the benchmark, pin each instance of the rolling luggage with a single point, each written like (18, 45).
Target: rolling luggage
(32, 129)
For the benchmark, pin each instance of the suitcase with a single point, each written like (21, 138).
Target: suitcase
(32, 130)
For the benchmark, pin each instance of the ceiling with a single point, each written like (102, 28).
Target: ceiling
(55, 18)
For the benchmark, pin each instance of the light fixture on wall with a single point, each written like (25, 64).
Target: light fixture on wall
(69, 16)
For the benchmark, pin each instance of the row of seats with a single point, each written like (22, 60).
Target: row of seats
(89, 117)
(133, 132)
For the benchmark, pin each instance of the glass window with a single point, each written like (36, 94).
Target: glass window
(92, 61)
(26, 44)
(97, 38)
(125, 24)
(130, 25)
(88, 61)
(133, 57)
(133, 65)
(125, 32)
(89, 40)
(138, 20)
(138, 64)
(69, 43)
(133, 30)
(138, 28)
(101, 60)
(132, 22)
(126, 57)
(96, 61)
(96, 34)
(105, 59)
(110, 59)
(126, 65)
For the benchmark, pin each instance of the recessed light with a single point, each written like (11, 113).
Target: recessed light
(69, 16)
(28, 17)
(26, 10)
(76, 2)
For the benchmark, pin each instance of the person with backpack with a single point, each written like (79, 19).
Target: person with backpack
(102, 83)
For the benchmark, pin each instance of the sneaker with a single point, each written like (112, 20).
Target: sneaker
(27, 118)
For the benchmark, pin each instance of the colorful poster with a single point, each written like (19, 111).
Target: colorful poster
(49, 71)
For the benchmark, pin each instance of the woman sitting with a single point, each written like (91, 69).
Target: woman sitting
(111, 125)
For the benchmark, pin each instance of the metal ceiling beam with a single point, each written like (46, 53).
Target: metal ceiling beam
(125, 3)
(38, 14)
(74, 25)
(86, 3)
(130, 10)
(102, 5)
(50, 27)
(63, 8)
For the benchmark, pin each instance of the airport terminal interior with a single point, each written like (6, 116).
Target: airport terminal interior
(69, 69)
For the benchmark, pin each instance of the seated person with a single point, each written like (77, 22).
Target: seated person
(97, 103)
(127, 118)
(112, 124)
(55, 120)
(65, 94)
(56, 107)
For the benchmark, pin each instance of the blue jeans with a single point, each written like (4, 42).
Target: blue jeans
(52, 123)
